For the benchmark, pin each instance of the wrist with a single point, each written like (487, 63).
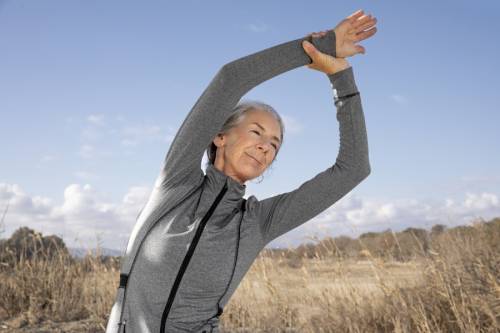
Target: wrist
(338, 65)
(343, 82)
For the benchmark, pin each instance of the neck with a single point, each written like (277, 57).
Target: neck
(219, 165)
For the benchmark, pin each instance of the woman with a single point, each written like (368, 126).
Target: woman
(196, 237)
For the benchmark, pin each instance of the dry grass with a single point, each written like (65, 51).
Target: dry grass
(451, 287)
(56, 288)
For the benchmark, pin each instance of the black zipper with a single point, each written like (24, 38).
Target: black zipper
(188, 256)
(121, 321)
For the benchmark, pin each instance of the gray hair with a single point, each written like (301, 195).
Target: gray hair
(237, 117)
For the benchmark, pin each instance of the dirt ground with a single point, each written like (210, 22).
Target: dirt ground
(22, 324)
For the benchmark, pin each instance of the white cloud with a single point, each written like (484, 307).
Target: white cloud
(400, 99)
(136, 194)
(481, 201)
(138, 134)
(86, 175)
(291, 124)
(96, 119)
(86, 151)
(47, 158)
(100, 137)
(93, 131)
(18, 199)
(85, 214)
(129, 143)
(91, 134)
(258, 27)
(352, 216)
(386, 211)
(78, 200)
(489, 179)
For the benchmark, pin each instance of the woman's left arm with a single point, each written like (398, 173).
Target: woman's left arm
(284, 212)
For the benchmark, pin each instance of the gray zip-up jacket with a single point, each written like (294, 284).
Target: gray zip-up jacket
(197, 236)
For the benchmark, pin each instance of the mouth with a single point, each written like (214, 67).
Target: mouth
(255, 159)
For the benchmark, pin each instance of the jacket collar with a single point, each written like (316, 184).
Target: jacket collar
(216, 180)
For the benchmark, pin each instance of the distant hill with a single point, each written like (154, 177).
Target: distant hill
(402, 245)
(78, 252)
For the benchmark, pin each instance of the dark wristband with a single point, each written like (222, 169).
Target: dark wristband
(338, 100)
(348, 95)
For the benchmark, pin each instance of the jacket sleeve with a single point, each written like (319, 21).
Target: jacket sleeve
(216, 103)
(284, 212)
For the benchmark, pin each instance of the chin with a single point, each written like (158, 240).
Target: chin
(252, 174)
(248, 172)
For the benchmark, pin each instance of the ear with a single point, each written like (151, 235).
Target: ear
(219, 139)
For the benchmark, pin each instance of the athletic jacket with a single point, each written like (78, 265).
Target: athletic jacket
(197, 236)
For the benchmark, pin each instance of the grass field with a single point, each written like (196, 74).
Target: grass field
(452, 286)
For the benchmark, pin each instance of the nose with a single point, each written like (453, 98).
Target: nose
(264, 145)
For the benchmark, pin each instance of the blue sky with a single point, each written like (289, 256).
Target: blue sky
(92, 93)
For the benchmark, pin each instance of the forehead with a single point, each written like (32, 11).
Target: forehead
(265, 119)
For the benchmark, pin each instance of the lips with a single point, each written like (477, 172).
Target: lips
(255, 159)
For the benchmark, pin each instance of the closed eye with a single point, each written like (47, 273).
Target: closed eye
(275, 147)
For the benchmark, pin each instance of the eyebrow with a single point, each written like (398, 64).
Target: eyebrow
(274, 137)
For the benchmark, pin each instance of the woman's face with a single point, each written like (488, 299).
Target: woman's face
(247, 149)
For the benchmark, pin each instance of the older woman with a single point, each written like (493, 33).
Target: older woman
(197, 236)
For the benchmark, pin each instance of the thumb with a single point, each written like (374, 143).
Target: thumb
(310, 49)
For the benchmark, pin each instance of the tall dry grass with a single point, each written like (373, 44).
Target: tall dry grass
(43, 284)
(452, 286)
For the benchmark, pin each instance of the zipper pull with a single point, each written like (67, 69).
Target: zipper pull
(123, 322)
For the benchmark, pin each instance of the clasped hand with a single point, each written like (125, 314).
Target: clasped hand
(353, 29)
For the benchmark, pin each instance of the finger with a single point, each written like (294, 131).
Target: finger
(361, 20)
(367, 25)
(360, 49)
(356, 14)
(365, 34)
(353, 19)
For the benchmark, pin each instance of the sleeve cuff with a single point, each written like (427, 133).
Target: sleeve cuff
(325, 44)
(343, 82)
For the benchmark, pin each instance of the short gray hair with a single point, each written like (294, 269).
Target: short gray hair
(237, 117)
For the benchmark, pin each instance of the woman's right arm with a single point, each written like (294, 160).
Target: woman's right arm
(214, 106)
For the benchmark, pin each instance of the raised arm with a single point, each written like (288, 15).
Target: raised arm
(284, 212)
(214, 106)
